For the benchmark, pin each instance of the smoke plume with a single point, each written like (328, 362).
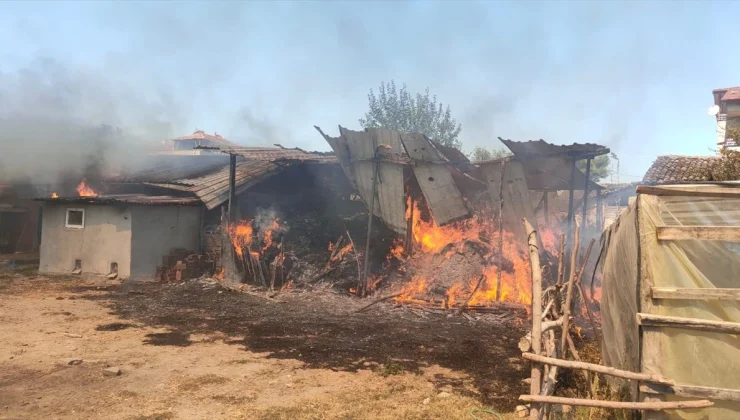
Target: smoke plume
(61, 124)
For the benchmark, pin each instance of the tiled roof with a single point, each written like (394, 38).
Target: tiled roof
(672, 169)
(162, 200)
(201, 135)
(732, 94)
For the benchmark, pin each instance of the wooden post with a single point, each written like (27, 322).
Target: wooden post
(599, 211)
(362, 290)
(569, 293)
(500, 231)
(547, 209)
(232, 187)
(409, 245)
(534, 258)
(571, 213)
(584, 216)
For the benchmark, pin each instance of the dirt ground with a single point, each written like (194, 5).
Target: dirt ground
(194, 350)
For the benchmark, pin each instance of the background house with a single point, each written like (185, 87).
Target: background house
(727, 113)
(123, 234)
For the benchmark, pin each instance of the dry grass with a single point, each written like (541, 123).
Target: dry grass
(194, 384)
(403, 398)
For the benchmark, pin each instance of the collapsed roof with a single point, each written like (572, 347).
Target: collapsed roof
(373, 161)
(207, 176)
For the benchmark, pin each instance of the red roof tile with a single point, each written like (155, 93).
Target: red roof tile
(201, 135)
(732, 94)
(680, 169)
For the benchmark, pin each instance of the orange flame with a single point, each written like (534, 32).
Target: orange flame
(54, 195)
(430, 239)
(241, 236)
(342, 252)
(84, 190)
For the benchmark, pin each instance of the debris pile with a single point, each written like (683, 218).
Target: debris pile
(181, 264)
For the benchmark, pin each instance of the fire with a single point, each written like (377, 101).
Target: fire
(241, 236)
(341, 253)
(85, 191)
(430, 239)
(397, 250)
(54, 195)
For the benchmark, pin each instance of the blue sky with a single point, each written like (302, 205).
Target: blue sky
(635, 76)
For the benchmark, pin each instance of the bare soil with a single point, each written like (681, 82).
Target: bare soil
(194, 350)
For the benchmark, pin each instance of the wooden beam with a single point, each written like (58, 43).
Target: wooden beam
(649, 320)
(584, 216)
(649, 406)
(691, 391)
(706, 233)
(691, 190)
(695, 294)
(606, 370)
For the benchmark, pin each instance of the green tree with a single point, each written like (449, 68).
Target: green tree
(480, 154)
(397, 109)
(599, 167)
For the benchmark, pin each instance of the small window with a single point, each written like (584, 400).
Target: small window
(75, 218)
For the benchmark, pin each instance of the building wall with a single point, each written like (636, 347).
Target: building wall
(105, 238)
(157, 229)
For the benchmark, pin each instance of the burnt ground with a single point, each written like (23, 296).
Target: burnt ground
(322, 329)
(197, 350)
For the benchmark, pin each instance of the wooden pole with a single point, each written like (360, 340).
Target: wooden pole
(650, 320)
(592, 367)
(584, 214)
(410, 228)
(647, 406)
(534, 258)
(571, 213)
(599, 211)
(547, 209)
(569, 293)
(362, 291)
(232, 187)
(500, 262)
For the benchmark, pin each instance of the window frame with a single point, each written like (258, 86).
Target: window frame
(66, 218)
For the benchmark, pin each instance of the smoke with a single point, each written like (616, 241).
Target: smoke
(60, 124)
(260, 131)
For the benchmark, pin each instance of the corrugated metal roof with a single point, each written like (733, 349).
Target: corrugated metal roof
(213, 188)
(541, 148)
(162, 200)
(170, 168)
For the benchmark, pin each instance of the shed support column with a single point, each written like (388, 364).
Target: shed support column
(232, 187)
(571, 212)
(599, 211)
(584, 217)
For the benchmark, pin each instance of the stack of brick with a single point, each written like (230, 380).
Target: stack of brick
(181, 264)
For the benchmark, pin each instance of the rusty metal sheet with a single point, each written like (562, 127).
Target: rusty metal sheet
(389, 200)
(440, 191)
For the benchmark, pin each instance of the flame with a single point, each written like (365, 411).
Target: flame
(331, 246)
(241, 236)
(397, 250)
(342, 252)
(430, 239)
(84, 190)
(220, 274)
(54, 195)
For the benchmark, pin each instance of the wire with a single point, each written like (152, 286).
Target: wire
(491, 412)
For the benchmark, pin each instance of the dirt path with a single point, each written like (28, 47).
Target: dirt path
(195, 350)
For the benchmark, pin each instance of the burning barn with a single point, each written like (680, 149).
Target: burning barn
(457, 228)
(160, 218)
